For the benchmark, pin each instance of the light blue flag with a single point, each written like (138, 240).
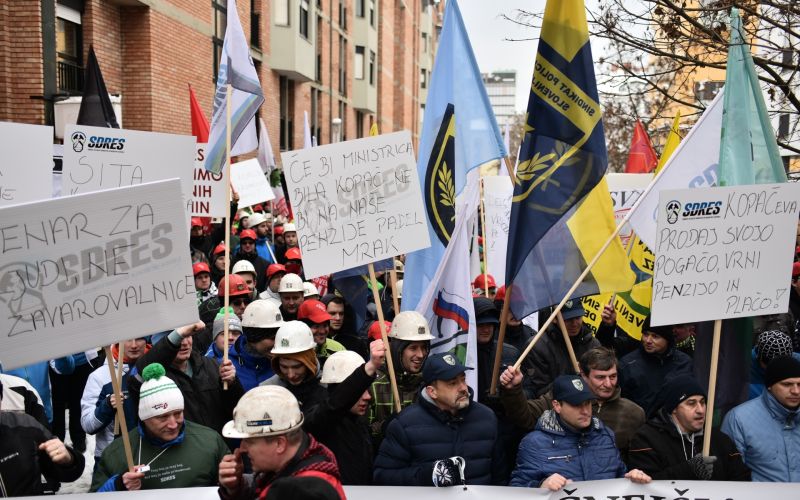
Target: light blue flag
(235, 68)
(459, 133)
(748, 151)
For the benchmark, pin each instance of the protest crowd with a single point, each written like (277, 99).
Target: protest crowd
(298, 384)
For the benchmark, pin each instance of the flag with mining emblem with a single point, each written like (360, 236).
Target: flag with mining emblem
(459, 133)
(561, 213)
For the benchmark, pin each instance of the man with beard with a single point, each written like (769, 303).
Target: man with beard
(247, 251)
(668, 446)
(291, 292)
(260, 223)
(342, 325)
(315, 315)
(274, 274)
(445, 438)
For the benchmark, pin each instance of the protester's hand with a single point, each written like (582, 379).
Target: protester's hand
(448, 472)
(133, 480)
(57, 452)
(230, 471)
(227, 372)
(703, 467)
(555, 482)
(235, 195)
(510, 378)
(377, 355)
(189, 330)
(638, 476)
(609, 315)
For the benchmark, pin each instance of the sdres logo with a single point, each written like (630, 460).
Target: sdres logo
(673, 209)
(108, 143)
(78, 138)
(702, 209)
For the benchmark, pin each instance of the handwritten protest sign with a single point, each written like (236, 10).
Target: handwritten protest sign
(208, 192)
(249, 181)
(97, 158)
(26, 164)
(356, 202)
(88, 270)
(497, 193)
(724, 252)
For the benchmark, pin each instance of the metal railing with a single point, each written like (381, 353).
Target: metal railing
(70, 77)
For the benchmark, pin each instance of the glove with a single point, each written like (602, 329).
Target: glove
(103, 410)
(703, 467)
(448, 472)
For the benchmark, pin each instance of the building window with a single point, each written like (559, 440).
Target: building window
(319, 49)
(281, 15)
(359, 124)
(69, 50)
(423, 78)
(342, 16)
(372, 13)
(358, 63)
(371, 67)
(255, 25)
(220, 23)
(425, 42)
(343, 115)
(286, 90)
(304, 18)
(360, 11)
(342, 65)
(314, 125)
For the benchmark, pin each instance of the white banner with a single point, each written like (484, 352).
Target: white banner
(26, 164)
(249, 181)
(625, 189)
(96, 159)
(88, 270)
(208, 192)
(612, 489)
(724, 252)
(356, 202)
(497, 192)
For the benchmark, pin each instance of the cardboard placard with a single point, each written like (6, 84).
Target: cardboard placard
(724, 252)
(88, 270)
(356, 202)
(26, 165)
(97, 159)
(625, 190)
(497, 192)
(208, 192)
(249, 181)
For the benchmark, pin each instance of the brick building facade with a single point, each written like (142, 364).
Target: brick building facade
(347, 63)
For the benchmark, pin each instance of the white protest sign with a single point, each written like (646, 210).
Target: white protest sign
(249, 181)
(97, 158)
(497, 192)
(356, 202)
(208, 192)
(724, 252)
(625, 189)
(26, 165)
(88, 270)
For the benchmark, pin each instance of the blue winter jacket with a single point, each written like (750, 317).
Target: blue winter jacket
(768, 437)
(757, 375)
(422, 434)
(552, 449)
(251, 369)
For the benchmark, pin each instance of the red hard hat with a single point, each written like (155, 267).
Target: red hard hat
(275, 268)
(478, 283)
(374, 332)
(293, 254)
(501, 294)
(258, 208)
(247, 234)
(278, 230)
(236, 286)
(200, 267)
(197, 221)
(313, 310)
(219, 249)
(795, 269)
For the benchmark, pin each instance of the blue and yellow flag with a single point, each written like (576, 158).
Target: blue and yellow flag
(556, 225)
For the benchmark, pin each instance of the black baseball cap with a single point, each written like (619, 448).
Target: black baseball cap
(571, 389)
(442, 366)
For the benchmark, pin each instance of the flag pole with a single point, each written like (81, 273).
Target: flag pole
(501, 336)
(126, 440)
(485, 244)
(121, 351)
(712, 388)
(389, 362)
(227, 300)
(568, 342)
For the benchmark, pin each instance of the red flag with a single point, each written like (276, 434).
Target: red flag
(642, 158)
(200, 127)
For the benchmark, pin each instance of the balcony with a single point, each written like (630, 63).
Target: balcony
(365, 90)
(292, 44)
(70, 78)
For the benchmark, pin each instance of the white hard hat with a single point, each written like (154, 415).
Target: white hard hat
(257, 218)
(267, 410)
(398, 288)
(309, 289)
(262, 314)
(289, 227)
(410, 326)
(244, 266)
(293, 337)
(339, 366)
(291, 283)
(243, 213)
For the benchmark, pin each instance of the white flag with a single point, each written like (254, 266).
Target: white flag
(265, 156)
(693, 164)
(307, 141)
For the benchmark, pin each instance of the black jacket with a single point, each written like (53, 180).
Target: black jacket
(259, 264)
(657, 450)
(205, 402)
(22, 463)
(642, 375)
(345, 434)
(551, 358)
